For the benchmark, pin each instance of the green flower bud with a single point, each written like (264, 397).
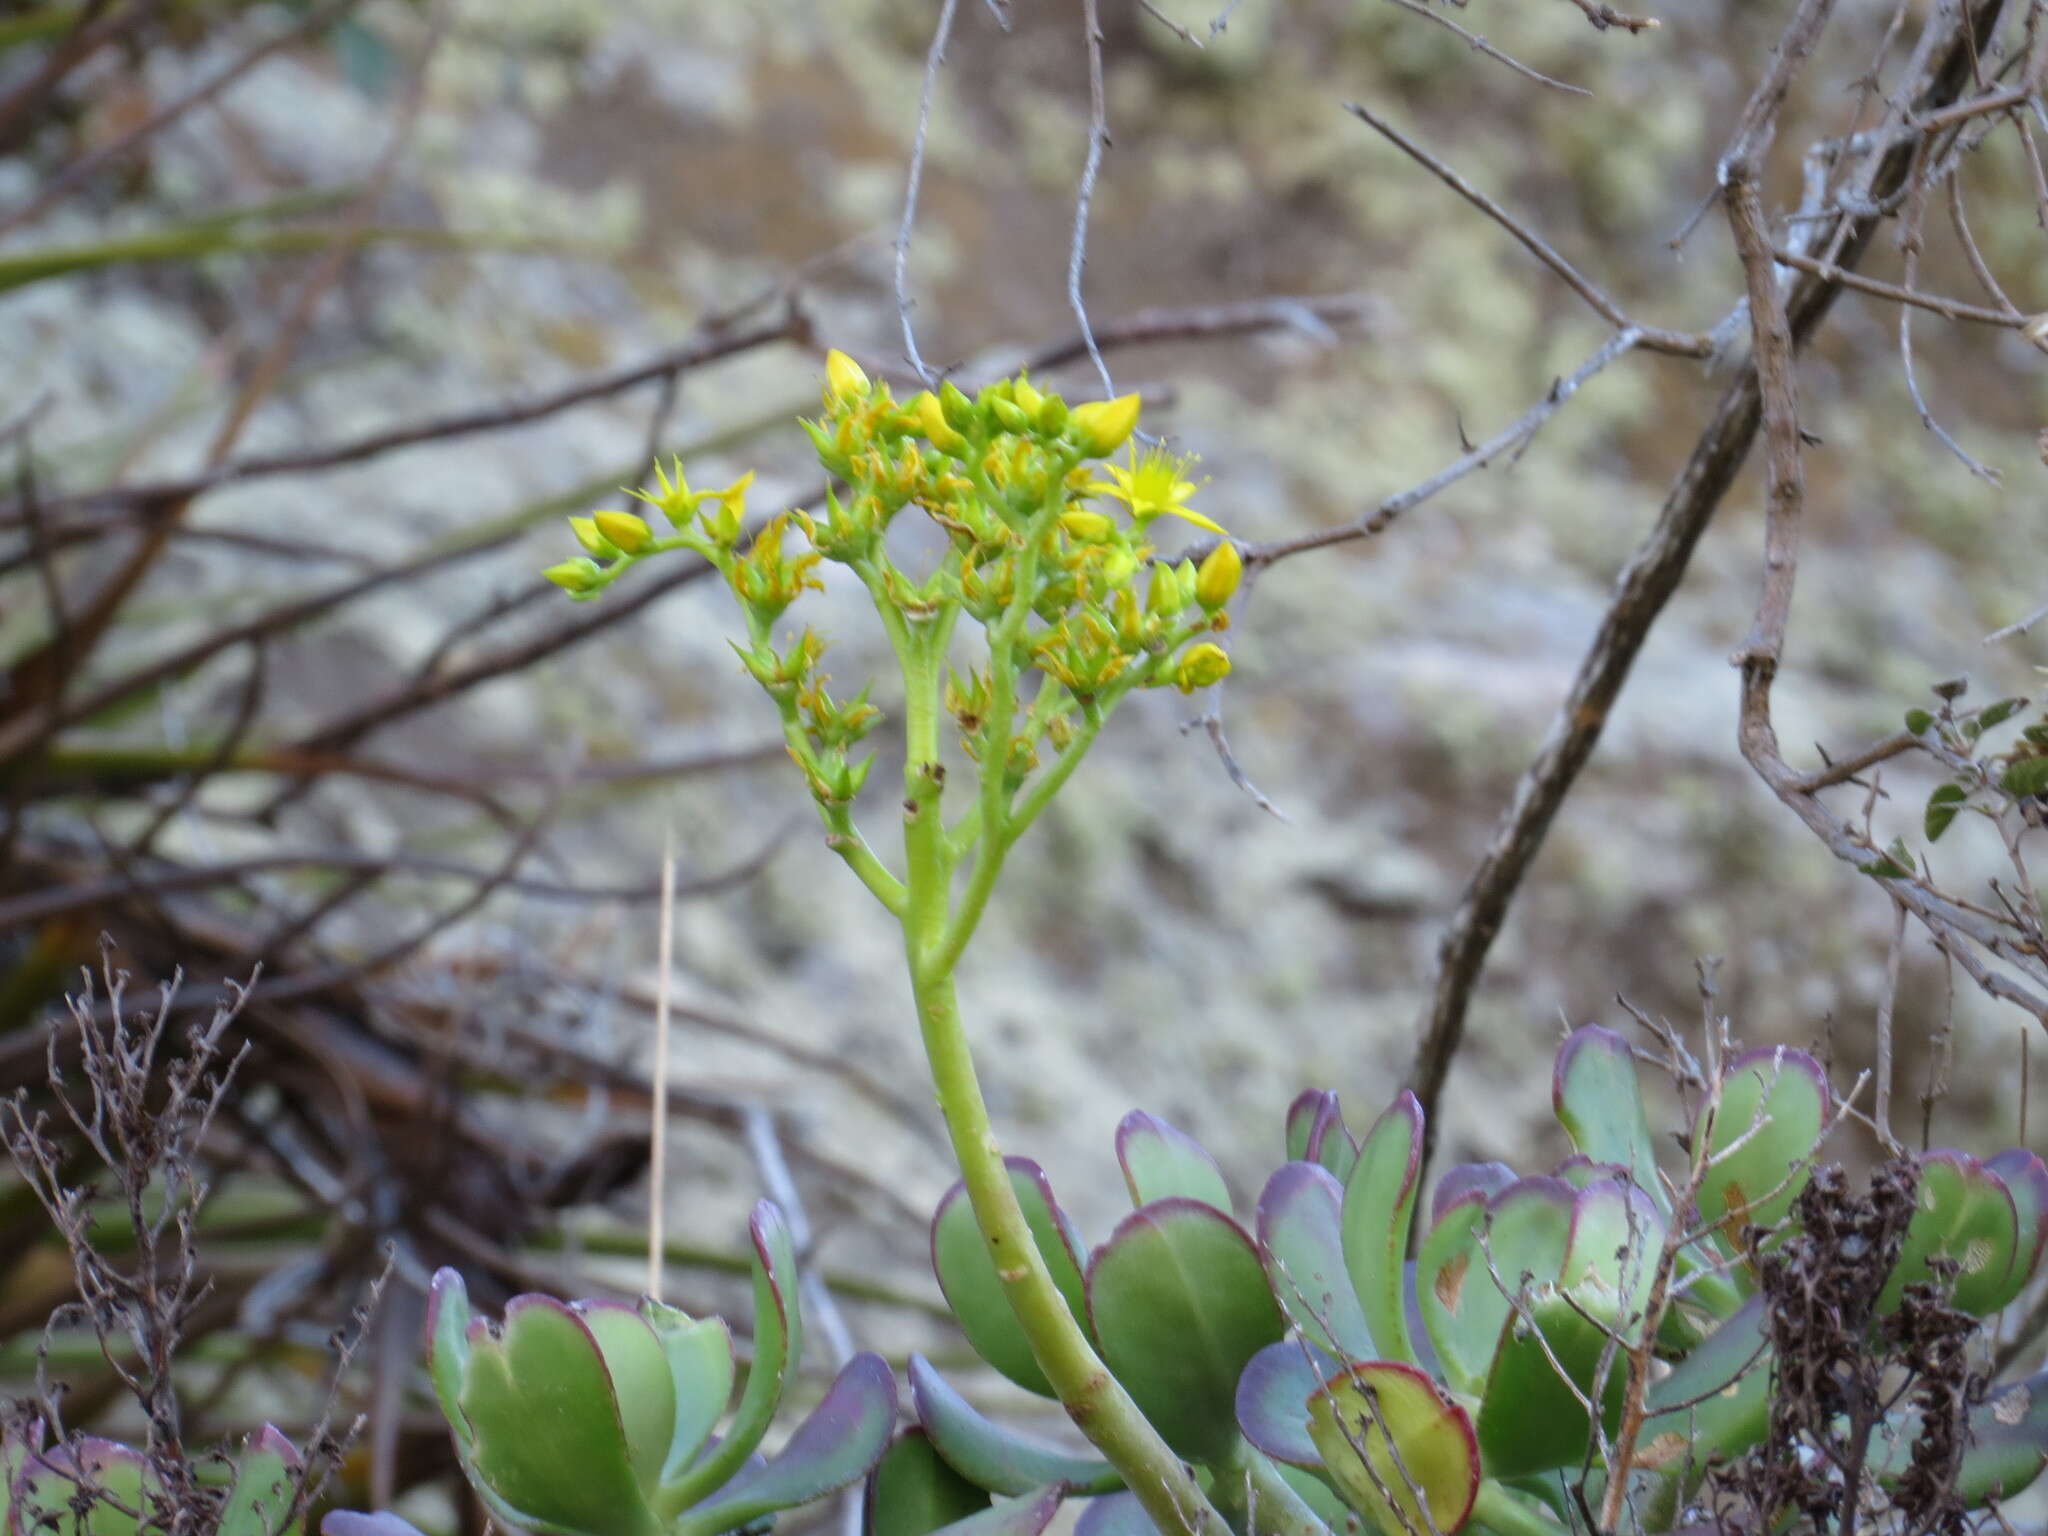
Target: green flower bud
(593, 542)
(1014, 418)
(576, 577)
(960, 411)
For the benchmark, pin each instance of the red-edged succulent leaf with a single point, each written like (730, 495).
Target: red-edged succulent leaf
(700, 1363)
(1579, 1171)
(975, 1291)
(642, 1383)
(990, 1456)
(1523, 1230)
(1551, 1359)
(1450, 1260)
(913, 1492)
(1301, 1245)
(1379, 1202)
(113, 1481)
(1393, 1444)
(778, 1351)
(1180, 1304)
(448, 1320)
(1599, 1102)
(1775, 1107)
(838, 1444)
(264, 1496)
(547, 1445)
(1161, 1162)
(1316, 1133)
(2026, 1178)
(1468, 1181)
(1714, 1402)
(2008, 1445)
(1272, 1399)
(1966, 1216)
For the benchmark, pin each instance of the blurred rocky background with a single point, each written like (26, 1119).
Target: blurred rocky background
(404, 214)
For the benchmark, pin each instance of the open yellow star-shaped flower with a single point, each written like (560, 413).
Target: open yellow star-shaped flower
(1154, 484)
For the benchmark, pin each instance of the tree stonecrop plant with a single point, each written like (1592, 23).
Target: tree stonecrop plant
(1047, 555)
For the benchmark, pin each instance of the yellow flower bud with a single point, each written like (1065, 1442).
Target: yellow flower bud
(1052, 414)
(628, 533)
(593, 542)
(1088, 527)
(844, 378)
(1219, 576)
(1200, 666)
(932, 417)
(1027, 397)
(1103, 426)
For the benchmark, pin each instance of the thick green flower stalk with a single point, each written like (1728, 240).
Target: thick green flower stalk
(1048, 557)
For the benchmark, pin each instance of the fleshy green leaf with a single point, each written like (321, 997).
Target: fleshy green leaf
(1918, 720)
(1160, 1163)
(1359, 1423)
(1532, 1418)
(1714, 1402)
(448, 1319)
(990, 1456)
(1524, 1231)
(1463, 1181)
(778, 1351)
(1999, 713)
(700, 1362)
(2008, 1444)
(1272, 1400)
(1942, 808)
(2025, 1177)
(1966, 1215)
(1448, 1262)
(1301, 1245)
(642, 1384)
(1775, 1105)
(1379, 1202)
(49, 1485)
(1180, 1304)
(547, 1438)
(912, 1492)
(265, 1488)
(1599, 1102)
(975, 1292)
(838, 1444)
(1316, 1133)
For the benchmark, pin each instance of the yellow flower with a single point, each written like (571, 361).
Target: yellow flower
(1153, 486)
